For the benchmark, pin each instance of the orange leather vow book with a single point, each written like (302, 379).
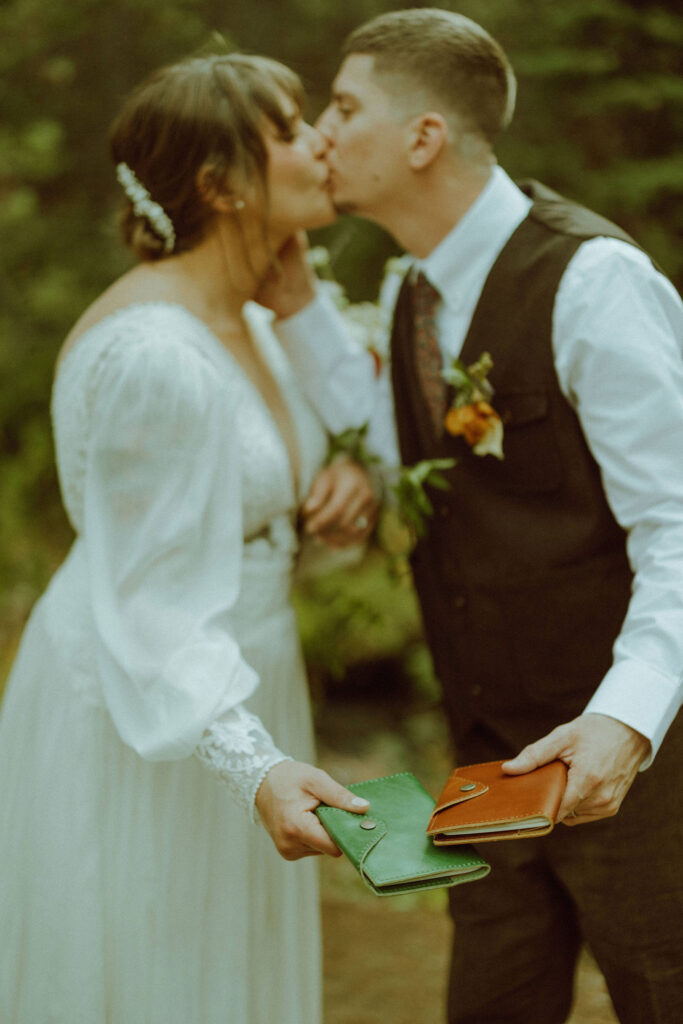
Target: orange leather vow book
(479, 803)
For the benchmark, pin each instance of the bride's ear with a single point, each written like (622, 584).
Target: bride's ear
(216, 192)
(428, 136)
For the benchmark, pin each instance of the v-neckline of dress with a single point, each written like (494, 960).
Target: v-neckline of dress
(294, 457)
(293, 453)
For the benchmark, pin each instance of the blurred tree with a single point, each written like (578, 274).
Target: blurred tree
(600, 111)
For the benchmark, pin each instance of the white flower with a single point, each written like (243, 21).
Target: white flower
(492, 442)
(318, 257)
(369, 322)
(335, 292)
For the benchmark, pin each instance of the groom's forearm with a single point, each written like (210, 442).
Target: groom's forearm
(336, 372)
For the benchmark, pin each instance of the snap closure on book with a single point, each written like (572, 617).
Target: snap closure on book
(467, 787)
(368, 824)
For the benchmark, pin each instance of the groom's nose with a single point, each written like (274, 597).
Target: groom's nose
(324, 124)
(318, 141)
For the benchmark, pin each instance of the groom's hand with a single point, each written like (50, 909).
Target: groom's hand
(341, 507)
(286, 800)
(603, 756)
(290, 282)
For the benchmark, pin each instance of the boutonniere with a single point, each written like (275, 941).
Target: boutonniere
(471, 414)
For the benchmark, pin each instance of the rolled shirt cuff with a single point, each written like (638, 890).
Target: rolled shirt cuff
(641, 697)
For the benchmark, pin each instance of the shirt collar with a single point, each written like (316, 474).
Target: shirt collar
(462, 260)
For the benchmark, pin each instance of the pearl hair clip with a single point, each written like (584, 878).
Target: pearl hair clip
(144, 205)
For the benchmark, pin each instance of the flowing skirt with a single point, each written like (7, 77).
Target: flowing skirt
(134, 892)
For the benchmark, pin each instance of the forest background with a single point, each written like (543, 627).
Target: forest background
(599, 118)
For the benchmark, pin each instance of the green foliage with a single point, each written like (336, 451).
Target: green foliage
(600, 111)
(352, 444)
(414, 504)
(63, 71)
(599, 118)
(362, 614)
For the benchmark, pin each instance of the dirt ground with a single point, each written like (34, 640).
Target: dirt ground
(383, 965)
(386, 960)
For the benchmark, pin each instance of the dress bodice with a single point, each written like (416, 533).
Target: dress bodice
(267, 486)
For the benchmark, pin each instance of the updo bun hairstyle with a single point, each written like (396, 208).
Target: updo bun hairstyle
(203, 112)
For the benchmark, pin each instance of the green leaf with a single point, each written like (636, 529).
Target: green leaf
(351, 443)
(414, 504)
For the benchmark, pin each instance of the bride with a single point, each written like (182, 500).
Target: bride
(158, 708)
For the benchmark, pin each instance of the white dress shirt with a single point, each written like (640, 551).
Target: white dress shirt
(618, 349)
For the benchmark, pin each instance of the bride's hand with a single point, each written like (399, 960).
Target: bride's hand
(290, 283)
(341, 507)
(286, 800)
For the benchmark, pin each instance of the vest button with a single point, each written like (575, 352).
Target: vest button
(444, 511)
(475, 690)
(459, 601)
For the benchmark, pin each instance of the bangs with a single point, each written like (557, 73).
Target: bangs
(266, 84)
(270, 89)
(251, 88)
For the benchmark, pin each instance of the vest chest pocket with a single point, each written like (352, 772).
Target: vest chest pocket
(531, 461)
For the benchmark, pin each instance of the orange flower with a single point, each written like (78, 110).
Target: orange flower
(472, 421)
(376, 359)
(479, 424)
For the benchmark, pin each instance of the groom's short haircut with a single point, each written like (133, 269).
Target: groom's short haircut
(450, 58)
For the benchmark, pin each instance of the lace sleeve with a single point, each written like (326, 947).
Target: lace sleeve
(240, 752)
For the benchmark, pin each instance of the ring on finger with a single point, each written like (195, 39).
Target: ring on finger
(361, 522)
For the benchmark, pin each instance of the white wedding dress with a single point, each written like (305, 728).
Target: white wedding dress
(135, 885)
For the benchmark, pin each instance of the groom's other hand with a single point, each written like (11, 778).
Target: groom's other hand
(286, 801)
(342, 506)
(290, 282)
(603, 756)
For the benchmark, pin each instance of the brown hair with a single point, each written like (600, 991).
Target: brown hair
(201, 112)
(447, 55)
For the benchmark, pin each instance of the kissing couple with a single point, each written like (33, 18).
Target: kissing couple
(156, 749)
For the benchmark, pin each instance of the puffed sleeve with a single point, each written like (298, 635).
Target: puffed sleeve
(163, 538)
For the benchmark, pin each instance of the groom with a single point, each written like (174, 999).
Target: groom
(551, 580)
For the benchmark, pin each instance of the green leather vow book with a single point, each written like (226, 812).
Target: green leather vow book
(388, 845)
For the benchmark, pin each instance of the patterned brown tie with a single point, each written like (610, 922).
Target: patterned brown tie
(428, 358)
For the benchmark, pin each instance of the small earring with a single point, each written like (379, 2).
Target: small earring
(239, 204)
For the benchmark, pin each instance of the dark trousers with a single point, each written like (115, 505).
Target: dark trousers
(616, 884)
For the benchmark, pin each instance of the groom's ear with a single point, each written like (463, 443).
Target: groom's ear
(428, 136)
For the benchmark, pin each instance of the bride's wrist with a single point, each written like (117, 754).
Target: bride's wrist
(263, 794)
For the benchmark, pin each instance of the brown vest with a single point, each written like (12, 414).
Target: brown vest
(523, 578)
